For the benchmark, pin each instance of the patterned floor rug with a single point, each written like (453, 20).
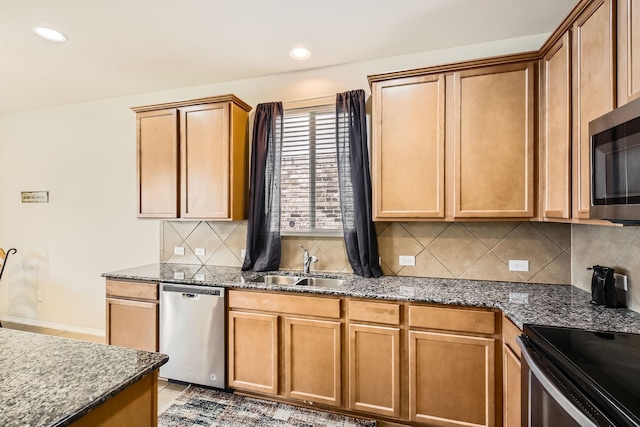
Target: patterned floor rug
(198, 406)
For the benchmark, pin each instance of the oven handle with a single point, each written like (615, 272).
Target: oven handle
(551, 388)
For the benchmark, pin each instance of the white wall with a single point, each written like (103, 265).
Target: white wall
(84, 155)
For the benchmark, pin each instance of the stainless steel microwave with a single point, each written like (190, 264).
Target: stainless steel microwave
(615, 165)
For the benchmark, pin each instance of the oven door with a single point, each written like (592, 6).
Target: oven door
(543, 401)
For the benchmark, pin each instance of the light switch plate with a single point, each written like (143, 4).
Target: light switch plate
(199, 277)
(178, 250)
(407, 260)
(518, 265)
(178, 275)
(201, 251)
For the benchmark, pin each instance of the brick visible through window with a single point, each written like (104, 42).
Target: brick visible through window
(310, 197)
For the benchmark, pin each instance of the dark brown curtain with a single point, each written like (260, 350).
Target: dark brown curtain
(355, 184)
(263, 232)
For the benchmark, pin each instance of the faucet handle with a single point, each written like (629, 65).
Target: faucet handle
(300, 246)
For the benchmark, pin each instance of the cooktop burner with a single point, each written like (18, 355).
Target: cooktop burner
(605, 365)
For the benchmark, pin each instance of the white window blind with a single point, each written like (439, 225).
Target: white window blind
(310, 196)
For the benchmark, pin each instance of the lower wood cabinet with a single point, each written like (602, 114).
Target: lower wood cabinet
(452, 366)
(253, 349)
(286, 345)
(511, 375)
(374, 357)
(451, 379)
(132, 314)
(398, 362)
(312, 365)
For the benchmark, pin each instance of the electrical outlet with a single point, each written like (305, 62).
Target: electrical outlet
(407, 260)
(199, 277)
(200, 251)
(518, 265)
(178, 250)
(243, 252)
(179, 275)
(621, 281)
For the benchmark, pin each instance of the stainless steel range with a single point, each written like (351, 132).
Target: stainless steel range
(573, 377)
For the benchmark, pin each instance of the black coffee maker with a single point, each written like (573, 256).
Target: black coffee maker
(603, 286)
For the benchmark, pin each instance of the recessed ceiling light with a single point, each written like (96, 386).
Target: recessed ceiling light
(300, 53)
(50, 34)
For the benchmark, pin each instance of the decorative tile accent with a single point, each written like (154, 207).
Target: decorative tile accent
(490, 262)
(528, 243)
(448, 250)
(202, 237)
(457, 249)
(491, 233)
(394, 241)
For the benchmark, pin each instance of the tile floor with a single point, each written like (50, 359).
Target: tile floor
(167, 391)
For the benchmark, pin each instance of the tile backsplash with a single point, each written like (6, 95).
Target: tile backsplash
(478, 250)
(617, 247)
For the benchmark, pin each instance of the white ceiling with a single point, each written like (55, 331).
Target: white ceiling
(120, 47)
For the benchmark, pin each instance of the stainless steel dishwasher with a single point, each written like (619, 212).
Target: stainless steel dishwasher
(192, 326)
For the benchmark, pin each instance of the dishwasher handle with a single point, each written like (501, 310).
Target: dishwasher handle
(193, 292)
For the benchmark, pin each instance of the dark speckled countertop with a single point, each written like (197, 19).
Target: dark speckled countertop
(52, 381)
(556, 305)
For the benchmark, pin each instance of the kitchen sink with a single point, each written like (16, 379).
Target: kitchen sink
(323, 282)
(281, 280)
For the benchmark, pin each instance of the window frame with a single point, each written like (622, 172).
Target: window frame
(318, 102)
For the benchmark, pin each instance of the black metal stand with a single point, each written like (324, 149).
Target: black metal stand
(4, 264)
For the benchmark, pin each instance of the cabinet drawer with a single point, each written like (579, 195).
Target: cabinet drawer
(509, 334)
(137, 290)
(376, 312)
(452, 319)
(290, 304)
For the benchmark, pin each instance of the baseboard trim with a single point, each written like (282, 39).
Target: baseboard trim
(60, 326)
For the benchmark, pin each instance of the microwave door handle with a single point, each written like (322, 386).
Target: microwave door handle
(575, 413)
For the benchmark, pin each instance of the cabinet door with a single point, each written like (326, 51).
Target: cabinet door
(132, 324)
(312, 360)
(556, 128)
(628, 51)
(408, 147)
(204, 144)
(593, 90)
(374, 369)
(451, 379)
(512, 392)
(157, 164)
(494, 141)
(253, 352)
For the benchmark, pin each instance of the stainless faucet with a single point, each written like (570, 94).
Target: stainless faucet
(308, 259)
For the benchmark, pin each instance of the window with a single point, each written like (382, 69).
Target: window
(310, 196)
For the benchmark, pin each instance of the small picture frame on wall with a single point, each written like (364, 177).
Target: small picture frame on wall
(34, 196)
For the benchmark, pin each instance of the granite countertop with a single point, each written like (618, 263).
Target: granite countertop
(53, 381)
(554, 305)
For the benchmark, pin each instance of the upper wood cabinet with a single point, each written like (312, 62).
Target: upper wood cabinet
(594, 88)
(477, 122)
(555, 136)
(192, 158)
(493, 138)
(628, 51)
(408, 147)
